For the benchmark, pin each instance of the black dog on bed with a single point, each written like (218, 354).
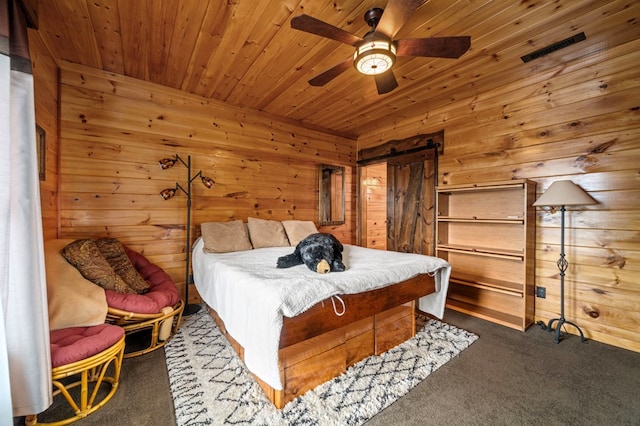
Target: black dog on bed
(320, 252)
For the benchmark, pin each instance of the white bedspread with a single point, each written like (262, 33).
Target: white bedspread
(251, 295)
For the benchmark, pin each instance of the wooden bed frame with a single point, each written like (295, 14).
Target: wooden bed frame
(318, 345)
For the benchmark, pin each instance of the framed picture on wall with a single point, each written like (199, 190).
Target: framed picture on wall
(41, 144)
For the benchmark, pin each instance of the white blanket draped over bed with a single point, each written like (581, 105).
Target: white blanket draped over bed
(251, 295)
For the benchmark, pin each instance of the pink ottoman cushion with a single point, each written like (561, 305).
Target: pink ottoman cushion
(162, 291)
(73, 344)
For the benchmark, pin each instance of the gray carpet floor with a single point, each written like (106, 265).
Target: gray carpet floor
(506, 377)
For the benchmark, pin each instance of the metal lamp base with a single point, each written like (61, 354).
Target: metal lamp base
(561, 321)
(191, 309)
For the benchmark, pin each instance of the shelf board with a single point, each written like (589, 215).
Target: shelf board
(506, 287)
(486, 314)
(515, 220)
(482, 251)
(480, 187)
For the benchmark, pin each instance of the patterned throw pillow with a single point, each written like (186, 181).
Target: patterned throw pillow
(113, 251)
(86, 257)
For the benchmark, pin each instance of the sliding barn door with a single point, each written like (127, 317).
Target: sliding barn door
(410, 204)
(411, 178)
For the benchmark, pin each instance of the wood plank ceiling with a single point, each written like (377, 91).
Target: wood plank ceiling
(244, 52)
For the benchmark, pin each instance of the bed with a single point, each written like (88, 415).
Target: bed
(295, 329)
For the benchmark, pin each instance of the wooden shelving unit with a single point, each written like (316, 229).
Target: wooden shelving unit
(487, 233)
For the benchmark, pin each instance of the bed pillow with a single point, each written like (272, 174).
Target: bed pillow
(298, 230)
(113, 251)
(86, 257)
(267, 233)
(224, 237)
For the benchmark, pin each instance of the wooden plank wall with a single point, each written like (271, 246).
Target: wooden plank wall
(578, 120)
(114, 129)
(45, 80)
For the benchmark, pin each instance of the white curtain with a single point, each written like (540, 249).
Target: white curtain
(24, 339)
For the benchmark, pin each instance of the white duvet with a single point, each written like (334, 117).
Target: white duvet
(251, 295)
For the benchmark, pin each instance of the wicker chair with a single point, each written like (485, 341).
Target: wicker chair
(157, 312)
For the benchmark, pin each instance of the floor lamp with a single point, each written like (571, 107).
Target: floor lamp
(563, 193)
(167, 193)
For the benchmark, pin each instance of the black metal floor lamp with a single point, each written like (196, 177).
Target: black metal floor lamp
(167, 193)
(563, 193)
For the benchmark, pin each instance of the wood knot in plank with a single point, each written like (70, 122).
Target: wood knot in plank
(584, 162)
(615, 260)
(603, 147)
(239, 194)
(592, 312)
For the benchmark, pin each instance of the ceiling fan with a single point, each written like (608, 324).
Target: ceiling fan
(376, 52)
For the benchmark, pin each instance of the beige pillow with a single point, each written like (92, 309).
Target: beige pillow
(298, 230)
(223, 237)
(267, 233)
(86, 257)
(73, 300)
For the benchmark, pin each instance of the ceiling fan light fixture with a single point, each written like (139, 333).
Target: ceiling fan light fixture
(374, 57)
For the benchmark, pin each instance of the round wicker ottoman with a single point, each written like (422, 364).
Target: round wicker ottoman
(86, 364)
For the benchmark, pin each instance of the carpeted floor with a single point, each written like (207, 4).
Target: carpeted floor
(505, 378)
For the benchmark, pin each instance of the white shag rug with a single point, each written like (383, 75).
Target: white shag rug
(211, 386)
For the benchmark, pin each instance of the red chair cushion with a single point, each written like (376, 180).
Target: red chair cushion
(162, 290)
(73, 344)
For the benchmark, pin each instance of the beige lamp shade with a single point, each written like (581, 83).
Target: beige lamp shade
(564, 193)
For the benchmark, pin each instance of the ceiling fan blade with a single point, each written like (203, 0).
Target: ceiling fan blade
(325, 77)
(437, 47)
(385, 82)
(315, 26)
(395, 15)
